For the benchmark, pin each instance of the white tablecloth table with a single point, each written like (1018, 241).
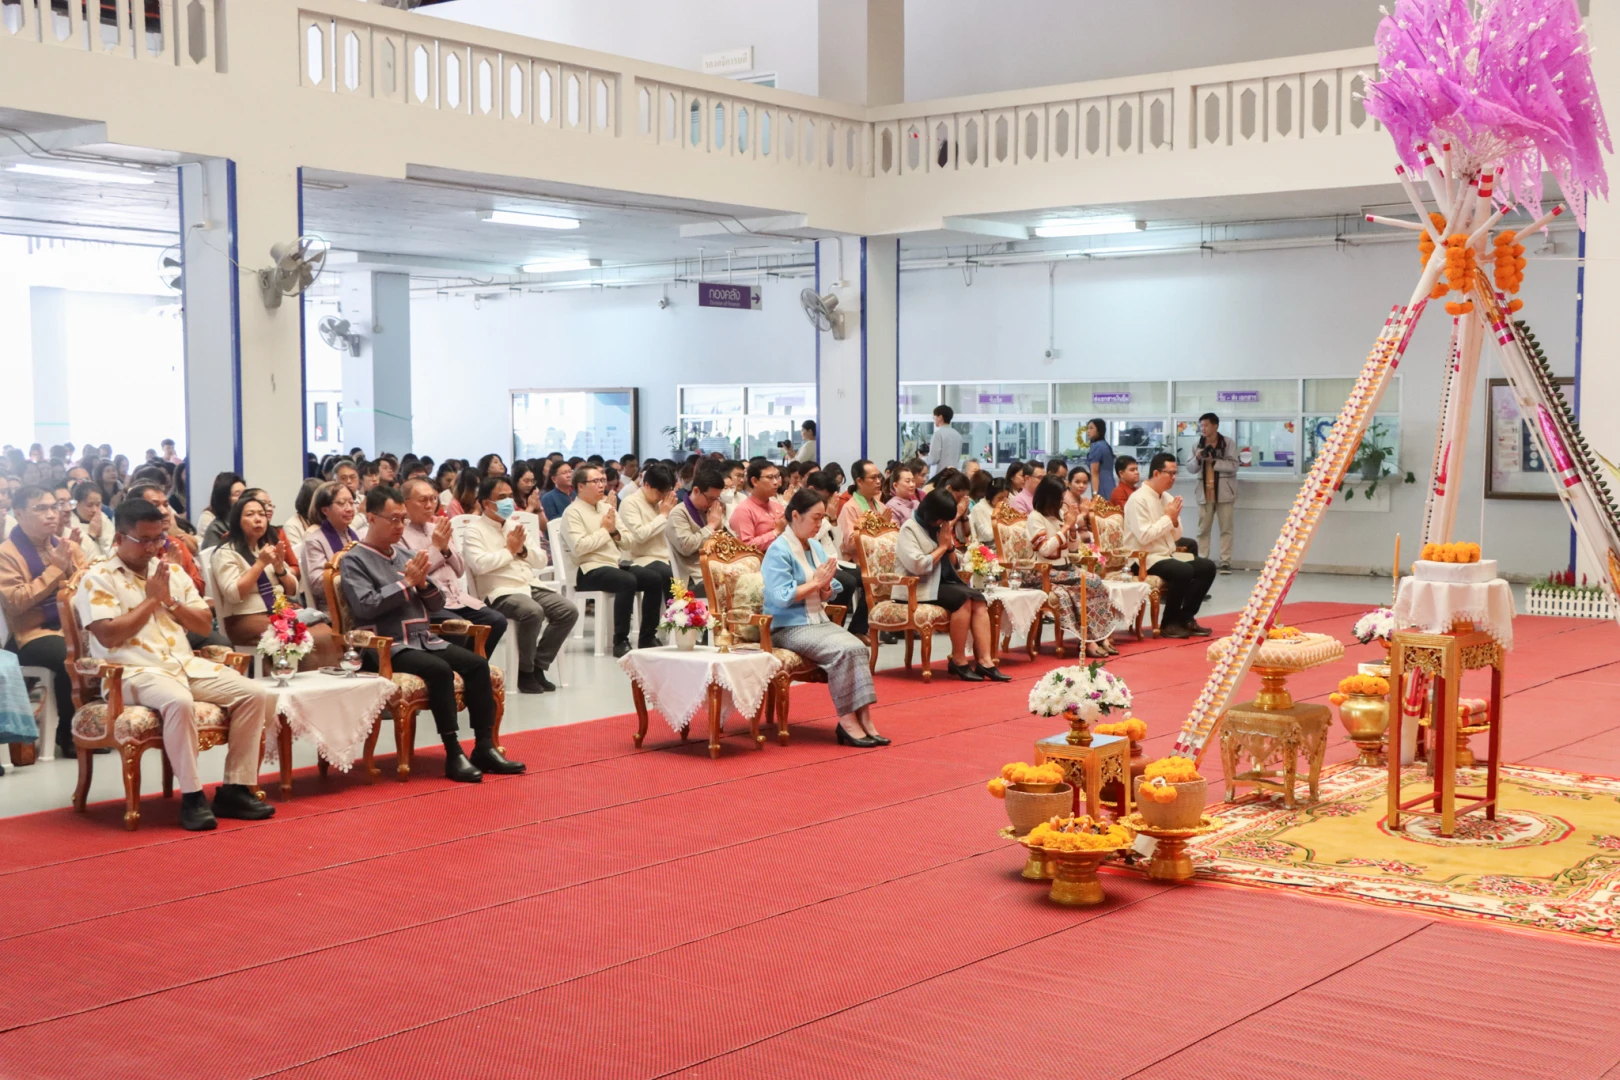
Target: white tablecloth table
(335, 713)
(1012, 612)
(678, 682)
(1435, 606)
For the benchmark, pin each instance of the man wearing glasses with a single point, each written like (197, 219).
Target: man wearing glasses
(34, 563)
(590, 527)
(1153, 525)
(137, 610)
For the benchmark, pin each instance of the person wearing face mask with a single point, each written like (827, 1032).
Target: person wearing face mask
(505, 562)
(333, 531)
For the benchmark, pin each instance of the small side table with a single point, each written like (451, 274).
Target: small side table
(1090, 767)
(1267, 735)
(677, 682)
(333, 711)
(1018, 611)
(1444, 657)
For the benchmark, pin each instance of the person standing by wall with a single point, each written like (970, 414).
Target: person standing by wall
(945, 447)
(1217, 463)
(1100, 458)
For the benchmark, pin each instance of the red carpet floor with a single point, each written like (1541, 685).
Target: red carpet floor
(809, 911)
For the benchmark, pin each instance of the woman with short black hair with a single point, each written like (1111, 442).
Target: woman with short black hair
(923, 550)
(1054, 531)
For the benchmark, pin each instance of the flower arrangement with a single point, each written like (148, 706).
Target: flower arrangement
(1158, 790)
(1130, 727)
(1360, 686)
(684, 611)
(1172, 770)
(1377, 625)
(981, 561)
(1450, 553)
(1018, 772)
(1082, 692)
(1078, 834)
(286, 640)
(1284, 633)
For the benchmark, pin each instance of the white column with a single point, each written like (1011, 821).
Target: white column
(861, 51)
(377, 378)
(210, 293)
(47, 313)
(857, 390)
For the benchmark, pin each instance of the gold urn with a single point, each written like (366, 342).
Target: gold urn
(1366, 719)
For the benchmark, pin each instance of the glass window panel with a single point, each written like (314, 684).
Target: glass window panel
(711, 400)
(798, 401)
(576, 422)
(918, 399)
(1385, 431)
(1137, 438)
(1113, 398)
(712, 437)
(1237, 397)
(764, 435)
(1020, 440)
(1329, 395)
(998, 399)
(1264, 446)
(978, 441)
(914, 436)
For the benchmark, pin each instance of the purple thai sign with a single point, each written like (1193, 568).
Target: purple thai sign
(995, 399)
(1238, 397)
(737, 297)
(1112, 397)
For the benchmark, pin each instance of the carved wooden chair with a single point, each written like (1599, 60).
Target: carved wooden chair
(880, 575)
(1014, 549)
(732, 582)
(413, 696)
(1108, 526)
(103, 721)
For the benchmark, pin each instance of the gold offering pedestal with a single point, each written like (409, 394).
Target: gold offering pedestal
(1274, 729)
(1170, 859)
(1444, 657)
(1103, 759)
(1035, 864)
(1073, 874)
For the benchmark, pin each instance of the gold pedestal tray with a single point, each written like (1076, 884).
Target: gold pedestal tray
(1074, 874)
(1035, 865)
(1170, 859)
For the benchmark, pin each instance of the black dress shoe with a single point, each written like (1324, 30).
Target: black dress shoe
(237, 801)
(195, 813)
(1171, 630)
(994, 674)
(1198, 631)
(620, 648)
(546, 685)
(459, 769)
(528, 684)
(964, 672)
(888, 637)
(846, 739)
(881, 740)
(490, 760)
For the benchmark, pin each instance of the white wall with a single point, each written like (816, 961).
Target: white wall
(1304, 312)
(466, 361)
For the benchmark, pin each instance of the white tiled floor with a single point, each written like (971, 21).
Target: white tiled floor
(597, 688)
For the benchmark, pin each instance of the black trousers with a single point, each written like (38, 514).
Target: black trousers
(438, 668)
(50, 651)
(651, 581)
(479, 616)
(854, 597)
(1185, 586)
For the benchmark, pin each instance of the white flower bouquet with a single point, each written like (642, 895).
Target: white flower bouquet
(1082, 693)
(1376, 625)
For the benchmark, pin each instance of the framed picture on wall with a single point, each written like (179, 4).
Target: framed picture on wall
(1514, 465)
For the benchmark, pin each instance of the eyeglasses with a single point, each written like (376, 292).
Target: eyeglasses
(598, 480)
(392, 519)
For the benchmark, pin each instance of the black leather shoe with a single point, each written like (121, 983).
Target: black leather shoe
(1198, 631)
(889, 637)
(881, 740)
(965, 672)
(620, 648)
(1174, 631)
(236, 801)
(994, 674)
(491, 760)
(528, 684)
(195, 813)
(846, 739)
(459, 769)
(546, 685)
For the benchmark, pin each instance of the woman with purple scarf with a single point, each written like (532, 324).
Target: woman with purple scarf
(334, 514)
(251, 576)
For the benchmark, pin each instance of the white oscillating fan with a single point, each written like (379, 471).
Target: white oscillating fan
(823, 312)
(297, 265)
(336, 332)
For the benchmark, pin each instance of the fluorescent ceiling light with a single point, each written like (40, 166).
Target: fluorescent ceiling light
(81, 174)
(533, 221)
(1094, 227)
(555, 265)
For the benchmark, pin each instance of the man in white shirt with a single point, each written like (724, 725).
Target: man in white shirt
(590, 527)
(426, 531)
(504, 566)
(1153, 525)
(643, 515)
(945, 447)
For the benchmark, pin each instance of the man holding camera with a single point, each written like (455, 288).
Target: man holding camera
(1217, 462)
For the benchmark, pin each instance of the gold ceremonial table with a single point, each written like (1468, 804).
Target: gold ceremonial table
(1105, 758)
(1444, 657)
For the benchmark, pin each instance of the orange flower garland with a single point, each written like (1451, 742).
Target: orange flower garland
(1132, 728)
(1077, 834)
(1450, 553)
(1157, 790)
(1284, 633)
(1174, 770)
(1508, 270)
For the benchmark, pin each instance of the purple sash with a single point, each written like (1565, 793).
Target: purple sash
(333, 540)
(267, 591)
(36, 567)
(698, 519)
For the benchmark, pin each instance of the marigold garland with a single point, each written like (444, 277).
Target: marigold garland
(1450, 553)
(1284, 633)
(1157, 790)
(1174, 770)
(1078, 834)
(1365, 685)
(1132, 728)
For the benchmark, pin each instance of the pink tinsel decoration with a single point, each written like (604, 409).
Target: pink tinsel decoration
(1509, 86)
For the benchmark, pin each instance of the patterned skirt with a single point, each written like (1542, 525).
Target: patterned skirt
(1102, 618)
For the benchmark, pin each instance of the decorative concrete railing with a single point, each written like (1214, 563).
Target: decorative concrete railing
(181, 33)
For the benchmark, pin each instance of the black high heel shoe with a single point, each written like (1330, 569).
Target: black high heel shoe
(993, 674)
(846, 739)
(962, 671)
(881, 740)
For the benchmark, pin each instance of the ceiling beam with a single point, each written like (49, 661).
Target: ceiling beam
(775, 226)
(1003, 230)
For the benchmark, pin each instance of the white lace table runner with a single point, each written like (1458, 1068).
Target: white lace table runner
(676, 682)
(1127, 598)
(1019, 607)
(333, 712)
(1434, 606)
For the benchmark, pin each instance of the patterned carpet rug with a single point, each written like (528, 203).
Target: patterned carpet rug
(1551, 860)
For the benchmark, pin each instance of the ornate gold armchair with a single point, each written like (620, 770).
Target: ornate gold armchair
(413, 696)
(1014, 549)
(1108, 525)
(880, 575)
(102, 720)
(732, 582)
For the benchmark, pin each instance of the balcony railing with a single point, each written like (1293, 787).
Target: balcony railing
(179, 33)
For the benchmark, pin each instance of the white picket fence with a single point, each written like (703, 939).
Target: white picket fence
(1569, 603)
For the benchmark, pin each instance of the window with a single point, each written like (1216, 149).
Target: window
(575, 422)
(742, 421)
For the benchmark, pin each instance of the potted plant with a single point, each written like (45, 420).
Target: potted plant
(1080, 695)
(684, 616)
(1170, 794)
(1033, 793)
(1375, 460)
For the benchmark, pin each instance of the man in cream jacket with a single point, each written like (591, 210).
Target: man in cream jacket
(643, 515)
(505, 562)
(592, 530)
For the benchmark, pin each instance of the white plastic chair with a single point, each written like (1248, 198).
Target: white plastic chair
(47, 713)
(563, 560)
